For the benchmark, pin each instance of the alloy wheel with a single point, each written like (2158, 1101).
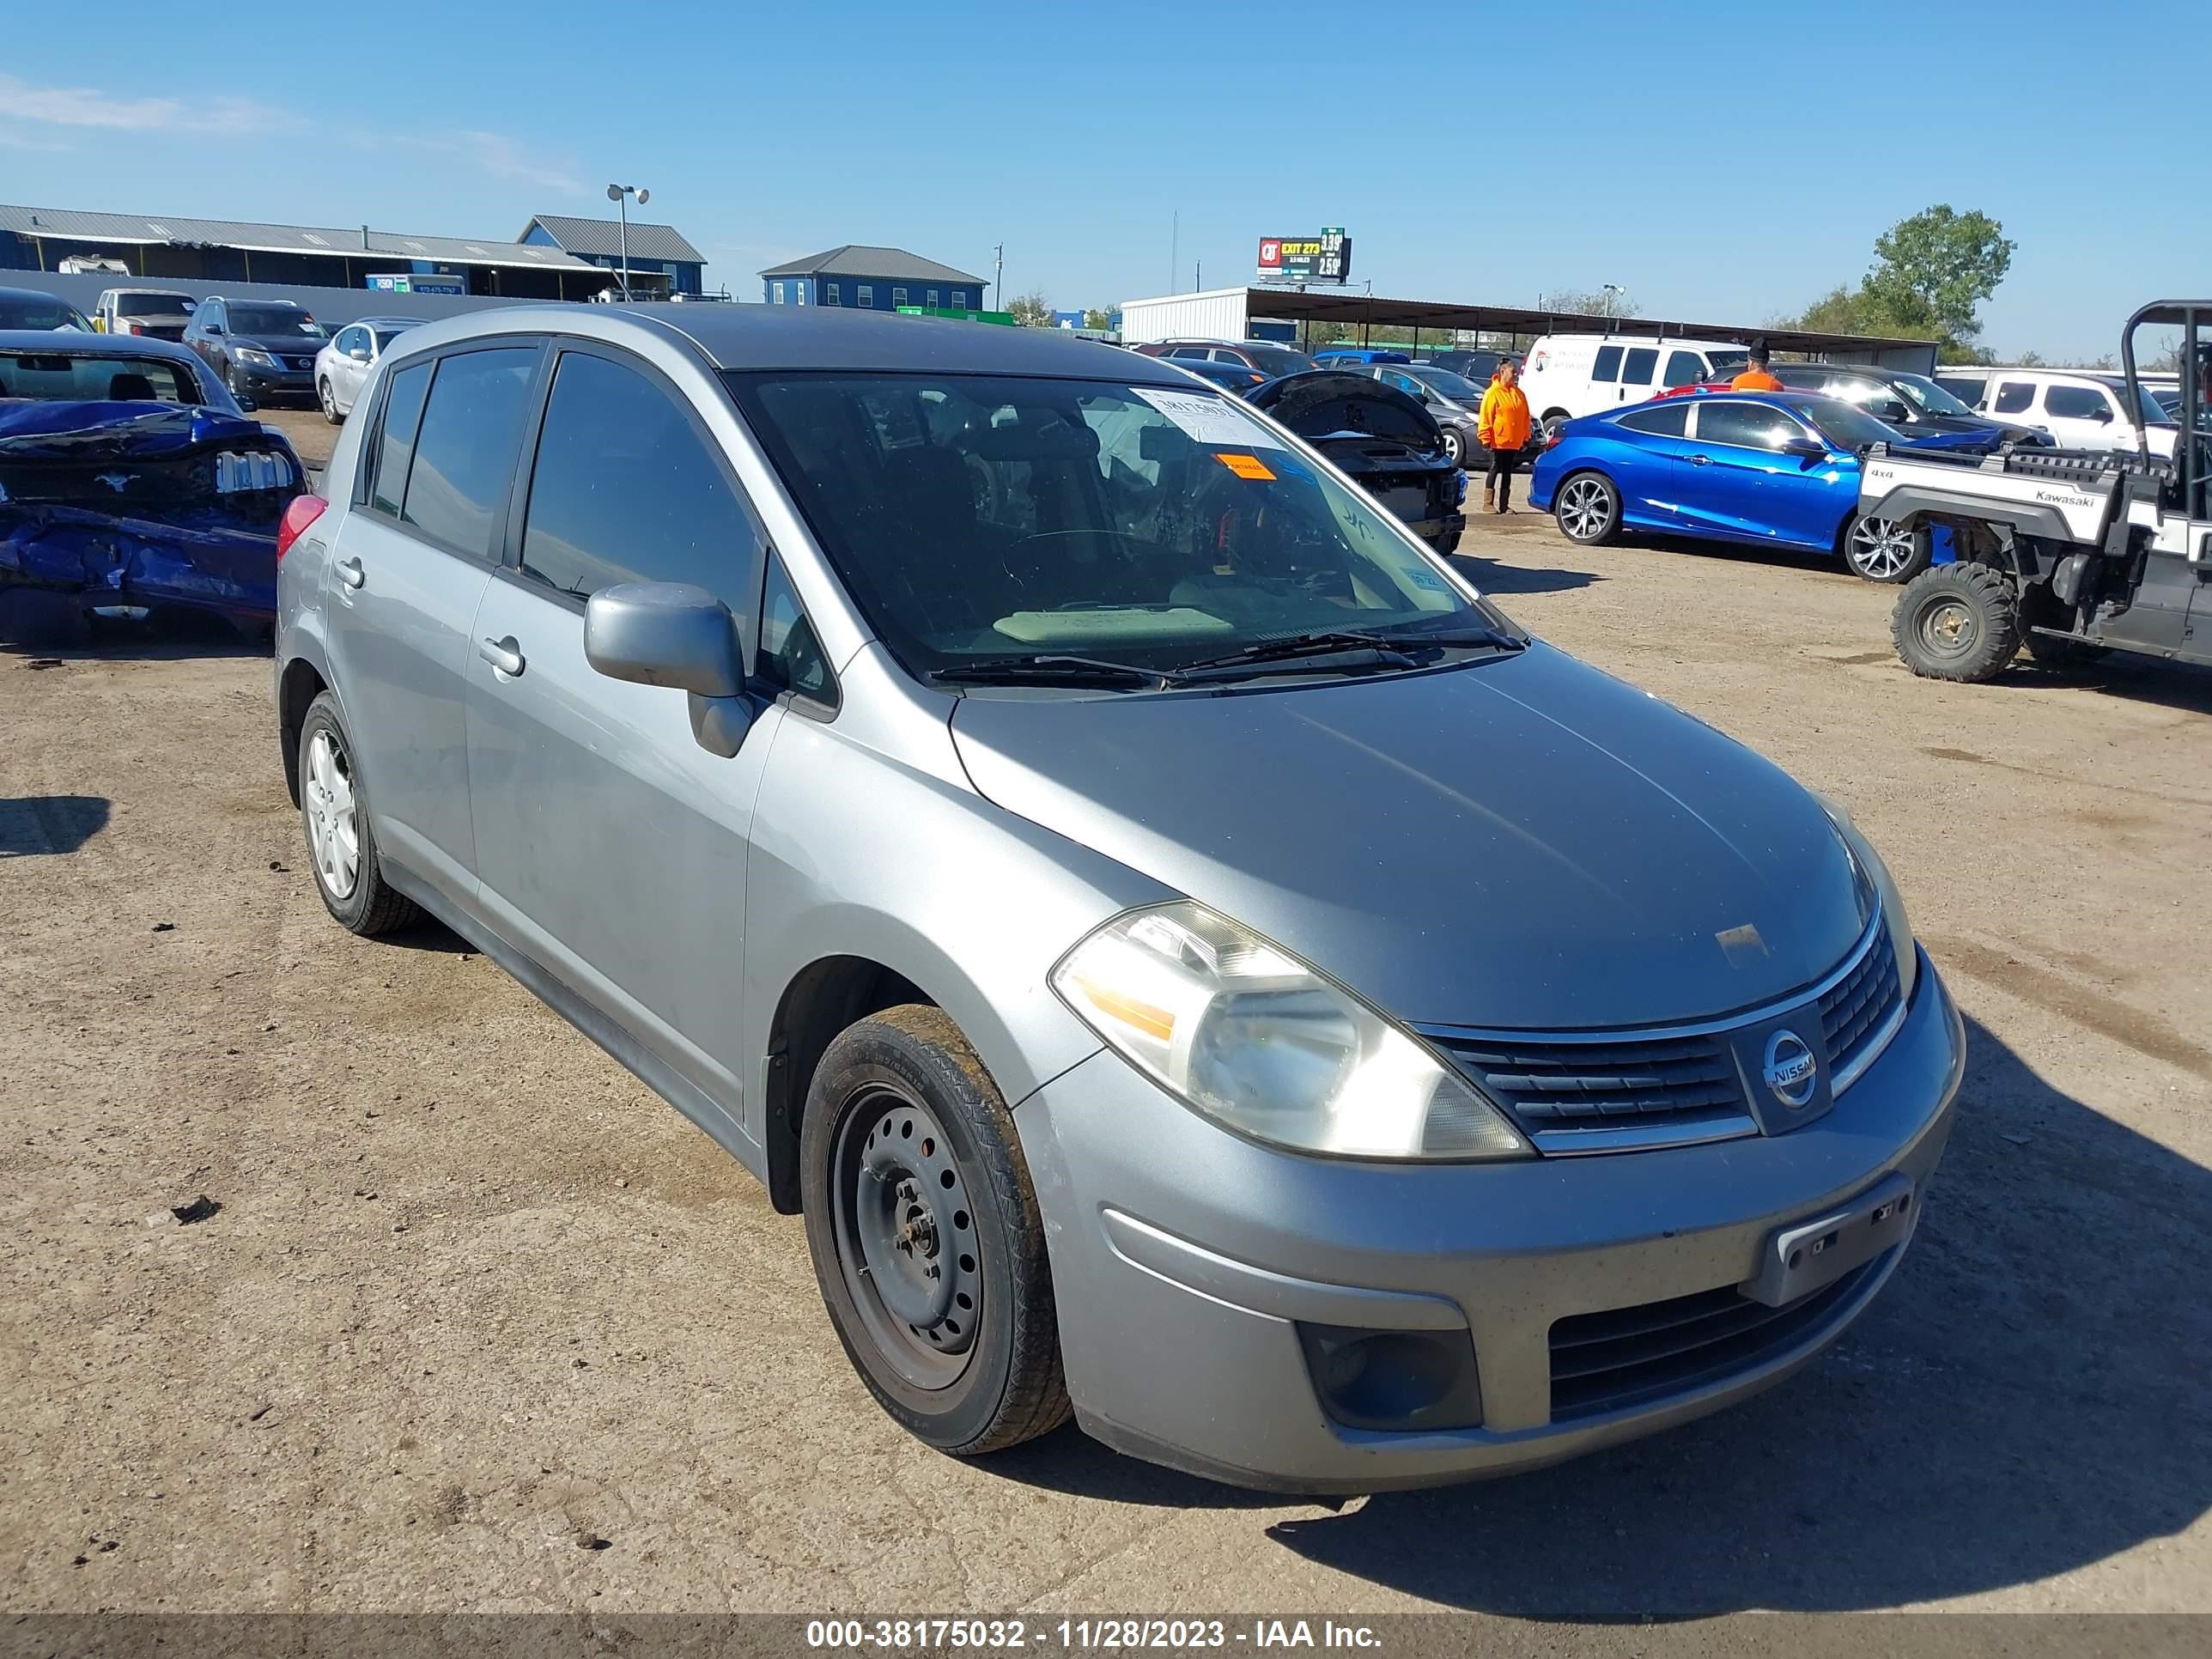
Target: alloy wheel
(1586, 505)
(334, 830)
(1881, 548)
(330, 402)
(906, 1237)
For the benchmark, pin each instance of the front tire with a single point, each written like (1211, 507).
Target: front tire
(1957, 622)
(1878, 549)
(1587, 507)
(341, 846)
(926, 1236)
(1455, 452)
(329, 401)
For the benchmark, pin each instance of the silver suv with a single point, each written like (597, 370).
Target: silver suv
(1191, 959)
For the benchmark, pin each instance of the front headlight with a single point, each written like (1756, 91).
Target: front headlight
(255, 354)
(1247, 1035)
(1885, 893)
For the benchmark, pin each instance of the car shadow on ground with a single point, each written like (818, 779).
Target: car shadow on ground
(34, 826)
(46, 637)
(2181, 686)
(1499, 580)
(2028, 1398)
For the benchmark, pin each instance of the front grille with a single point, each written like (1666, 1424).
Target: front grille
(1565, 1092)
(1855, 1010)
(1625, 1357)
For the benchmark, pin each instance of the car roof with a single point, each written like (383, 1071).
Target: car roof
(383, 322)
(752, 336)
(67, 342)
(141, 288)
(31, 293)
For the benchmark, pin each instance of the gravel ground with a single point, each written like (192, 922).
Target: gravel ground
(480, 1324)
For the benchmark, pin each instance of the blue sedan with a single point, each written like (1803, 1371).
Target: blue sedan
(1771, 469)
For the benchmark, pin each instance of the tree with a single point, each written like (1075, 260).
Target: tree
(1095, 317)
(1031, 310)
(1577, 302)
(1933, 269)
(1856, 311)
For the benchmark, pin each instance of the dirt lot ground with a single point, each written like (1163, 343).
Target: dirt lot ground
(481, 1324)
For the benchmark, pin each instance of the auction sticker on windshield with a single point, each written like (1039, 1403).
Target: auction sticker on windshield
(1212, 420)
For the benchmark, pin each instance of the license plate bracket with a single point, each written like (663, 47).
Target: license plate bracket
(1807, 1255)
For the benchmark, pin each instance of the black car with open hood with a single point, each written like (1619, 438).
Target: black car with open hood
(1382, 440)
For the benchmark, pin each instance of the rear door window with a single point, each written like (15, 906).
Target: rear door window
(1607, 367)
(1635, 369)
(1684, 369)
(2012, 397)
(1670, 419)
(394, 445)
(626, 489)
(464, 452)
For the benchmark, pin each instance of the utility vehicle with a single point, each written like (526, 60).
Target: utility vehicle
(2067, 553)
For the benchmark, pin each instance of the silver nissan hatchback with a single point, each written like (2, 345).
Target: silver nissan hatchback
(1194, 963)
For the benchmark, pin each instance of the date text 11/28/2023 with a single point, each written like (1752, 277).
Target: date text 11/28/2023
(1004, 1635)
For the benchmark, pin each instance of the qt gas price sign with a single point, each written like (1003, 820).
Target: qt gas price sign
(1323, 258)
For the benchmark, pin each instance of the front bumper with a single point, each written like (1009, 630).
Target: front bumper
(1442, 534)
(1193, 1268)
(274, 382)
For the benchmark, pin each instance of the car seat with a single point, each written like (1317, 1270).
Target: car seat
(131, 389)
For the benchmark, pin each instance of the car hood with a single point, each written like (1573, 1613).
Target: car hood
(292, 345)
(1521, 843)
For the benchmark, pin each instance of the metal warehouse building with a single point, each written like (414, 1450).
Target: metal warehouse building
(661, 261)
(238, 251)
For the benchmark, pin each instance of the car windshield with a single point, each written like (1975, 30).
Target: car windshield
(71, 378)
(2154, 412)
(1930, 398)
(975, 517)
(1846, 426)
(1277, 359)
(1727, 365)
(39, 313)
(274, 319)
(1444, 383)
(152, 305)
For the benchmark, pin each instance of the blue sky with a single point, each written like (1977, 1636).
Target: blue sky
(1725, 162)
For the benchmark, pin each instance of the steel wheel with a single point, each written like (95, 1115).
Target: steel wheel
(334, 830)
(1585, 507)
(906, 1238)
(1883, 549)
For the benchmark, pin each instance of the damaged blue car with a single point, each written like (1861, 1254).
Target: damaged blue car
(131, 482)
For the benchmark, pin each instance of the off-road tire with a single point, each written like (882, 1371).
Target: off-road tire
(2038, 604)
(1013, 1387)
(1957, 622)
(374, 908)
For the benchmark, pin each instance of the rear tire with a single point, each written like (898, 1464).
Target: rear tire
(2039, 605)
(926, 1239)
(1587, 507)
(1878, 549)
(341, 846)
(1957, 622)
(1453, 451)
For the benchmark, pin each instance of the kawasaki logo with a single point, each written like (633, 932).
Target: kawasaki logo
(2064, 500)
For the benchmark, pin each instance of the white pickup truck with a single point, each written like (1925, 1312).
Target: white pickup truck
(2069, 553)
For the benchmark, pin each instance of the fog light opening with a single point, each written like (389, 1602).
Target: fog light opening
(1393, 1380)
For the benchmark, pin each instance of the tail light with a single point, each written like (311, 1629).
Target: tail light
(303, 511)
(133, 328)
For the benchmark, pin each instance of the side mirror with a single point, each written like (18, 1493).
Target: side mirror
(359, 354)
(2103, 416)
(215, 329)
(674, 634)
(1807, 449)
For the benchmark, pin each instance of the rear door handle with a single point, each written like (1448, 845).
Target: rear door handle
(351, 573)
(503, 654)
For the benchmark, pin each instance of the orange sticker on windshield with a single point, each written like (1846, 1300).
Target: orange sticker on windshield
(1245, 466)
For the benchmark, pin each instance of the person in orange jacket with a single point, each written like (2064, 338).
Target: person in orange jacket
(1754, 377)
(1503, 428)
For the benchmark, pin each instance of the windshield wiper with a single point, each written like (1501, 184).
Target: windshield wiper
(1391, 649)
(1048, 668)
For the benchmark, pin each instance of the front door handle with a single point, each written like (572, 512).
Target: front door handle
(503, 654)
(1699, 460)
(351, 573)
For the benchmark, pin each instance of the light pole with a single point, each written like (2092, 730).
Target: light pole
(1615, 295)
(618, 194)
(999, 276)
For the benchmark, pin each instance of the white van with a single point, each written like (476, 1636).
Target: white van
(1571, 374)
(2079, 408)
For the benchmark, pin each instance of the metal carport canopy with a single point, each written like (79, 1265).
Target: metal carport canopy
(1331, 306)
